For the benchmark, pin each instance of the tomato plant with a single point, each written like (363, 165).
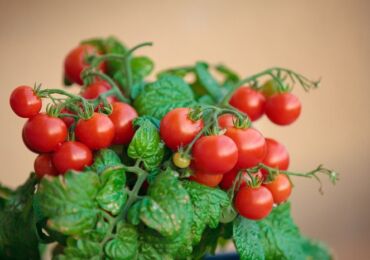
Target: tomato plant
(280, 188)
(94, 90)
(121, 117)
(96, 132)
(43, 165)
(178, 128)
(283, 109)
(277, 156)
(229, 178)
(43, 133)
(210, 180)
(25, 102)
(226, 120)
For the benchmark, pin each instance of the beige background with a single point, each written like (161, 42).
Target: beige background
(319, 38)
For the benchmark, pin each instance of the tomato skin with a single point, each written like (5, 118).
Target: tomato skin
(277, 156)
(24, 102)
(215, 154)
(122, 117)
(74, 62)
(229, 177)
(251, 146)
(180, 160)
(210, 180)
(43, 133)
(226, 120)
(280, 188)
(43, 165)
(72, 156)
(283, 109)
(93, 90)
(177, 129)
(254, 203)
(249, 101)
(96, 132)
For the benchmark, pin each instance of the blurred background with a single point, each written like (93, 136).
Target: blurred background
(328, 39)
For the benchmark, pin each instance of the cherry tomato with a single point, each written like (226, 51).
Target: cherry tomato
(93, 90)
(251, 146)
(43, 165)
(254, 203)
(283, 109)
(229, 177)
(121, 117)
(249, 101)
(67, 119)
(215, 154)
(75, 62)
(43, 133)
(180, 160)
(210, 180)
(280, 188)
(72, 156)
(177, 129)
(24, 102)
(226, 120)
(276, 157)
(96, 132)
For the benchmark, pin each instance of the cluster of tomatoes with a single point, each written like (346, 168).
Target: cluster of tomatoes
(224, 157)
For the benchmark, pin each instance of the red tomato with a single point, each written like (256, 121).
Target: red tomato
(177, 129)
(72, 156)
(215, 154)
(249, 101)
(276, 157)
(283, 109)
(226, 120)
(229, 177)
(254, 203)
(210, 180)
(121, 117)
(280, 188)
(96, 132)
(43, 133)
(67, 120)
(93, 90)
(251, 146)
(24, 102)
(43, 165)
(75, 62)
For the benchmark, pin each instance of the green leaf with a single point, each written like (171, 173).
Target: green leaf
(124, 245)
(114, 46)
(166, 208)
(206, 79)
(103, 160)
(69, 201)
(180, 72)
(146, 144)
(98, 43)
(275, 237)
(230, 75)
(141, 67)
(113, 195)
(81, 249)
(208, 204)
(163, 95)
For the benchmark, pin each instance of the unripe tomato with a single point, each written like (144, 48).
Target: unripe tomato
(72, 156)
(24, 102)
(283, 109)
(75, 62)
(122, 116)
(277, 156)
(249, 101)
(210, 180)
(254, 203)
(280, 188)
(180, 160)
(226, 120)
(251, 146)
(177, 129)
(215, 154)
(43, 133)
(96, 132)
(43, 165)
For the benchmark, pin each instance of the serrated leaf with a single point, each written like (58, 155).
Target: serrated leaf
(124, 245)
(163, 95)
(209, 83)
(112, 195)
(103, 160)
(81, 249)
(69, 202)
(146, 145)
(208, 204)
